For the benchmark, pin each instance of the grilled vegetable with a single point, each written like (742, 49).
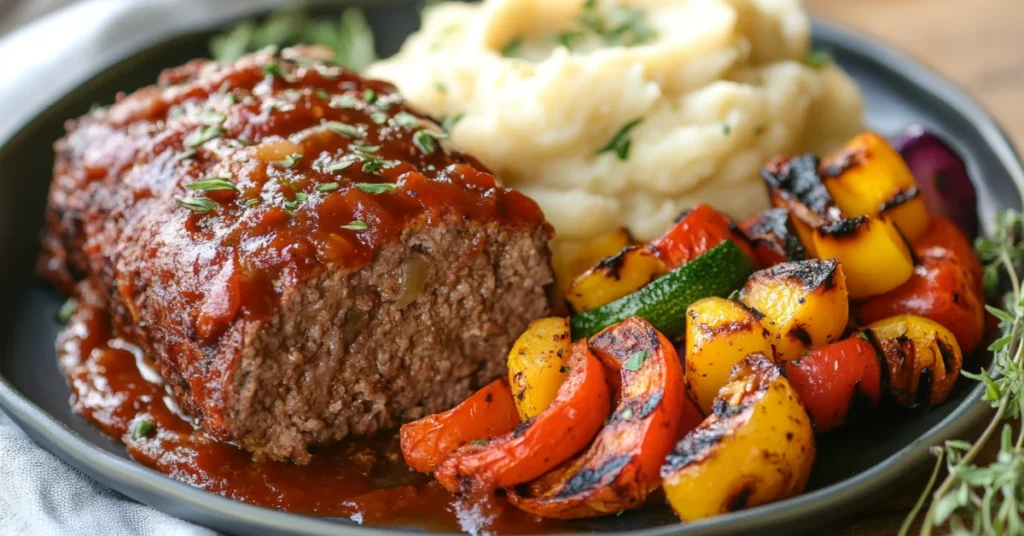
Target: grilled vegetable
(490, 412)
(572, 259)
(868, 178)
(944, 240)
(837, 380)
(719, 334)
(941, 177)
(939, 290)
(923, 357)
(695, 233)
(773, 237)
(663, 302)
(757, 447)
(795, 185)
(537, 366)
(614, 277)
(803, 304)
(536, 446)
(621, 467)
(874, 256)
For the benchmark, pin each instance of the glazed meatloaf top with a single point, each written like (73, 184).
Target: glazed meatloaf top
(217, 209)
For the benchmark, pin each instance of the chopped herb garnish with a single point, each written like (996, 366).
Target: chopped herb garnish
(301, 196)
(480, 442)
(203, 135)
(619, 26)
(66, 310)
(290, 160)
(212, 184)
(344, 163)
(252, 202)
(636, 361)
(373, 163)
(274, 70)
(406, 120)
(818, 58)
(345, 129)
(199, 205)
(426, 140)
(142, 428)
(375, 187)
(726, 129)
(513, 47)
(863, 335)
(564, 369)
(626, 414)
(344, 101)
(321, 93)
(186, 154)
(448, 122)
(441, 87)
(379, 117)
(567, 38)
(365, 148)
(214, 118)
(370, 96)
(327, 187)
(356, 226)
(620, 142)
(759, 130)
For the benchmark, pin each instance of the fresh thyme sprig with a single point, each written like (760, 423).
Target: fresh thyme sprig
(988, 499)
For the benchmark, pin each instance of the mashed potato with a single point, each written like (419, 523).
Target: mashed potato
(542, 86)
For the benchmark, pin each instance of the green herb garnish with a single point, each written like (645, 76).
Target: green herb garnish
(142, 428)
(344, 101)
(986, 499)
(426, 140)
(513, 47)
(212, 184)
(203, 135)
(818, 58)
(321, 93)
(379, 118)
(186, 154)
(480, 442)
(327, 187)
(252, 202)
(344, 129)
(349, 37)
(355, 226)
(564, 369)
(66, 310)
(726, 129)
(370, 96)
(620, 142)
(626, 414)
(199, 205)
(636, 361)
(375, 187)
(448, 122)
(407, 120)
(290, 160)
(273, 69)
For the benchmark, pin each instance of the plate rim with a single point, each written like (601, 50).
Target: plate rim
(840, 498)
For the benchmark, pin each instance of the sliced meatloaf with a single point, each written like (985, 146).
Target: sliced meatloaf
(302, 255)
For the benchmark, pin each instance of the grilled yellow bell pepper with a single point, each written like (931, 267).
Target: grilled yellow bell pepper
(867, 177)
(614, 277)
(874, 256)
(804, 304)
(537, 366)
(924, 358)
(719, 333)
(572, 259)
(758, 447)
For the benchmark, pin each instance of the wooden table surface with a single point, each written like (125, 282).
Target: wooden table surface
(979, 44)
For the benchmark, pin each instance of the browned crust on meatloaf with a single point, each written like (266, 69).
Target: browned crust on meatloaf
(240, 305)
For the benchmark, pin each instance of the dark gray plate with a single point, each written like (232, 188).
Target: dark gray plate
(855, 466)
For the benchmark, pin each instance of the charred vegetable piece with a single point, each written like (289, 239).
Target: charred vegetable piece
(719, 334)
(836, 380)
(538, 445)
(874, 256)
(695, 233)
(939, 290)
(621, 467)
(867, 177)
(803, 304)
(773, 237)
(924, 358)
(756, 448)
(572, 259)
(944, 240)
(614, 277)
(490, 412)
(795, 184)
(537, 364)
(663, 302)
(941, 177)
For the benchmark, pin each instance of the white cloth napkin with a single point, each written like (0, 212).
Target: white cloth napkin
(40, 494)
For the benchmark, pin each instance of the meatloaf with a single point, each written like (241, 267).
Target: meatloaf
(303, 256)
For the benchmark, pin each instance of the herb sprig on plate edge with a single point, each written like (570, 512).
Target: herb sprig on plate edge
(988, 499)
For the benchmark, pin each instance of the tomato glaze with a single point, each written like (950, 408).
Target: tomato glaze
(116, 387)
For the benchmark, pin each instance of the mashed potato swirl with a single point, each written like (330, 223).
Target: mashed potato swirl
(718, 87)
